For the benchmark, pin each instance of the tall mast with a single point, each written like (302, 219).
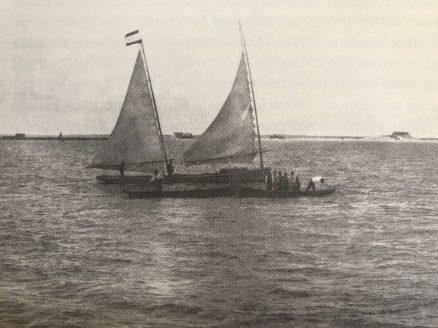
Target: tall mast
(163, 148)
(253, 96)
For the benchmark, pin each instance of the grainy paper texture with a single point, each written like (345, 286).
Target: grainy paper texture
(345, 91)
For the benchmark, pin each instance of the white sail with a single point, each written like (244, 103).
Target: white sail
(135, 139)
(230, 137)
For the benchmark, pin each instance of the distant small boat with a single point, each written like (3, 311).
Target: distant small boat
(229, 191)
(401, 135)
(277, 136)
(184, 135)
(17, 136)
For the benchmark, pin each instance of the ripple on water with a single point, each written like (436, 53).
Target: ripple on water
(75, 253)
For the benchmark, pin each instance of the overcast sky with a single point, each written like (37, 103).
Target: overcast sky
(319, 67)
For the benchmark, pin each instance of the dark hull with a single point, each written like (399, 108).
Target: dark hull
(227, 192)
(127, 179)
(243, 175)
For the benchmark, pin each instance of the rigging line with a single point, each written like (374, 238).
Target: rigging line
(163, 148)
(253, 95)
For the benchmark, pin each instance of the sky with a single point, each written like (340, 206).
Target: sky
(320, 67)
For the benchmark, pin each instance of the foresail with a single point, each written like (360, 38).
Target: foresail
(230, 137)
(135, 138)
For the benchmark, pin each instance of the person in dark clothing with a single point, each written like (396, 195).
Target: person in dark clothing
(269, 181)
(122, 168)
(282, 183)
(275, 181)
(170, 168)
(279, 181)
(292, 186)
(297, 182)
(285, 183)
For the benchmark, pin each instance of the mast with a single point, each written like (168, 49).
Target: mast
(163, 148)
(253, 96)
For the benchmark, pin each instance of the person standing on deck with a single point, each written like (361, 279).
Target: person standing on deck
(315, 183)
(279, 181)
(157, 180)
(170, 168)
(275, 181)
(292, 184)
(285, 183)
(122, 168)
(269, 181)
(297, 182)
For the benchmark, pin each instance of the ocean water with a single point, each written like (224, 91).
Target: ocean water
(75, 253)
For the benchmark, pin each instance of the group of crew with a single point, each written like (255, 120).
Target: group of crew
(276, 181)
(282, 182)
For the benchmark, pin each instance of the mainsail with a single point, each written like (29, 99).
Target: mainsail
(231, 136)
(135, 139)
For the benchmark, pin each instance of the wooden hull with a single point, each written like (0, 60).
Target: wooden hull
(127, 179)
(224, 177)
(227, 192)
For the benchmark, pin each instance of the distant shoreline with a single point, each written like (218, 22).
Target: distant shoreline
(72, 137)
(167, 136)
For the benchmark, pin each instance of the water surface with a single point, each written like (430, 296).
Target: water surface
(75, 253)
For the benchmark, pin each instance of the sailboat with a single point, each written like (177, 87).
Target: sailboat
(230, 138)
(136, 141)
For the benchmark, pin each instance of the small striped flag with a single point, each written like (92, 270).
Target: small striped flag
(132, 38)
